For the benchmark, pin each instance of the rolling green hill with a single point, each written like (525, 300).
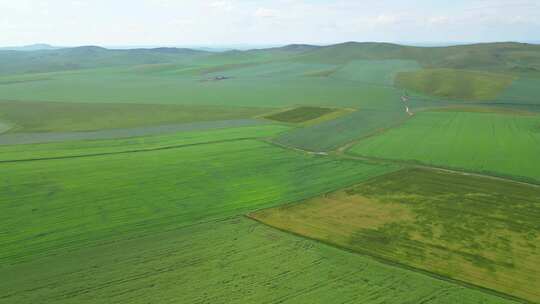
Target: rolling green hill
(84, 57)
(511, 57)
(460, 84)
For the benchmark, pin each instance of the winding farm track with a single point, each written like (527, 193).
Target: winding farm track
(341, 152)
(4, 127)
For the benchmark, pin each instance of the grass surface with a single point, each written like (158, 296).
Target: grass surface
(300, 114)
(57, 117)
(53, 206)
(232, 261)
(483, 142)
(455, 84)
(481, 231)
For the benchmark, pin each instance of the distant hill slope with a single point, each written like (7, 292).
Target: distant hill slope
(32, 47)
(451, 83)
(515, 57)
(84, 57)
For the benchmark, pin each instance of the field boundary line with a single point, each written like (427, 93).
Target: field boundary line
(342, 153)
(127, 151)
(414, 164)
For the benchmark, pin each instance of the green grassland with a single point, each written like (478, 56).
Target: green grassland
(474, 229)
(67, 149)
(56, 116)
(300, 114)
(52, 206)
(458, 84)
(231, 261)
(498, 144)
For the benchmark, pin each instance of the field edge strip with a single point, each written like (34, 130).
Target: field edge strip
(128, 151)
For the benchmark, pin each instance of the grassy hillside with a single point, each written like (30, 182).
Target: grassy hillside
(87, 57)
(482, 142)
(473, 229)
(231, 261)
(455, 84)
(510, 57)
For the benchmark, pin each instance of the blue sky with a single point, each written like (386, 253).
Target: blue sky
(228, 22)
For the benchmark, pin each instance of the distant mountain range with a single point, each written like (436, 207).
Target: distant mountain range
(507, 56)
(31, 47)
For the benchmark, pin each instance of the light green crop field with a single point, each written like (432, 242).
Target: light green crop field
(66, 116)
(51, 206)
(231, 261)
(474, 229)
(11, 153)
(456, 84)
(499, 144)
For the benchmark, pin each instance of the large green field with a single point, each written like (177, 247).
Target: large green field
(493, 143)
(473, 229)
(51, 206)
(232, 261)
